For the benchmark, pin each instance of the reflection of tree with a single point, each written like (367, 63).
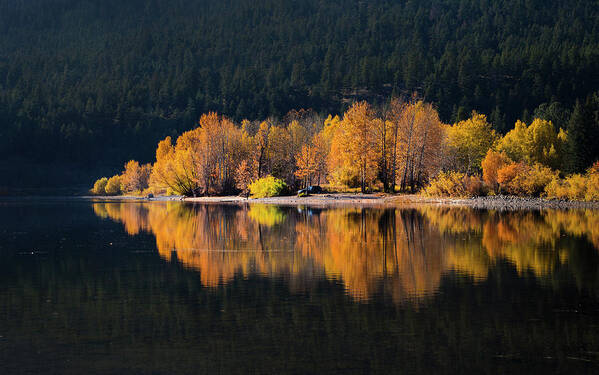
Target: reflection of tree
(217, 241)
(402, 253)
(523, 238)
(582, 223)
(133, 215)
(531, 240)
(266, 214)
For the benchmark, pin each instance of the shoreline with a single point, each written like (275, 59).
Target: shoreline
(504, 203)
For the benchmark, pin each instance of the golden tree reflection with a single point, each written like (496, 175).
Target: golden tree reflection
(402, 253)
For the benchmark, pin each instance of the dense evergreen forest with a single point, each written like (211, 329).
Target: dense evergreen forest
(88, 84)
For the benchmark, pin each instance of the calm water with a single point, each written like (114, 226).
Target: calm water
(174, 288)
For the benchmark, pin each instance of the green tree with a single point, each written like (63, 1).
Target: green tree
(583, 132)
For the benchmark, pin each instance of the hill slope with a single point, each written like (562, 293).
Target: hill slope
(95, 82)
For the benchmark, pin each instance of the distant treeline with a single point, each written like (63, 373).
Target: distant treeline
(403, 146)
(92, 83)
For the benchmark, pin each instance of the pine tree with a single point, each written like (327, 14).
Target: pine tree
(579, 139)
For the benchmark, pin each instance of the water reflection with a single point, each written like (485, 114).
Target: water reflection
(401, 254)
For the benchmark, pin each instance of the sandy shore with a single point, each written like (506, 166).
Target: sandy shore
(387, 200)
(312, 200)
(407, 200)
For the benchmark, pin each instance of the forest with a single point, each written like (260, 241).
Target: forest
(85, 85)
(402, 146)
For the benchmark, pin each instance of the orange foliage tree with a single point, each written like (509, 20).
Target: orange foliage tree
(491, 164)
(244, 176)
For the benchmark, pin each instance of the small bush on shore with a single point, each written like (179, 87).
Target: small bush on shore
(100, 186)
(592, 193)
(474, 186)
(454, 184)
(572, 188)
(525, 180)
(268, 186)
(575, 187)
(556, 189)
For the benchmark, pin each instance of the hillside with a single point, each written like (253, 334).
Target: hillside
(88, 84)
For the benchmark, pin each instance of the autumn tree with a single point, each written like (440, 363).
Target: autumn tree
(306, 164)
(261, 147)
(321, 152)
(244, 176)
(415, 136)
(281, 154)
(393, 117)
(491, 164)
(113, 185)
(218, 153)
(539, 142)
(175, 168)
(354, 146)
(331, 124)
(135, 177)
(468, 142)
(100, 186)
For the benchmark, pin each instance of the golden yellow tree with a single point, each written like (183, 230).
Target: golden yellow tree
(113, 185)
(468, 142)
(100, 186)
(355, 145)
(135, 177)
(321, 152)
(218, 150)
(177, 166)
(539, 142)
(306, 164)
(415, 135)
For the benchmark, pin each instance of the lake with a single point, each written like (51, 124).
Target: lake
(100, 287)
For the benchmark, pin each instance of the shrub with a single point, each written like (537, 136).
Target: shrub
(539, 177)
(525, 180)
(592, 193)
(573, 187)
(113, 186)
(556, 189)
(454, 184)
(474, 186)
(576, 187)
(100, 186)
(268, 186)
